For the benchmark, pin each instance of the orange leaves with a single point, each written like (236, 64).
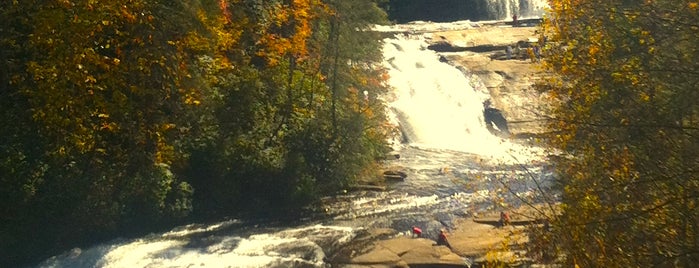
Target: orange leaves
(223, 5)
(290, 29)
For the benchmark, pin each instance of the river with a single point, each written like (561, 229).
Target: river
(455, 168)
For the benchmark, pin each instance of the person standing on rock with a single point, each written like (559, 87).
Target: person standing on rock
(504, 218)
(537, 52)
(417, 232)
(442, 240)
(530, 52)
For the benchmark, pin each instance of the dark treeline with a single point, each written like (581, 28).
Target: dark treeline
(403, 11)
(130, 116)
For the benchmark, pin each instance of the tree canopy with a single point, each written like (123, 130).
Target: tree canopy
(125, 116)
(624, 86)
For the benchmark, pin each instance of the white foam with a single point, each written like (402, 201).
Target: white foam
(438, 106)
(299, 246)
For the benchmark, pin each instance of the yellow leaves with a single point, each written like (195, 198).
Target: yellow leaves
(127, 14)
(164, 152)
(593, 50)
(105, 123)
(693, 5)
(191, 99)
(90, 79)
(109, 126)
(644, 97)
(227, 39)
(168, 126)
(194, 40)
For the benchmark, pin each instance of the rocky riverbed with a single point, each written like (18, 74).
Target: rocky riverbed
(477, 51)
(508, 81)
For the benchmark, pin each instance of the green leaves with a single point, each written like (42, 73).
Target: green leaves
(129, 115)
(621, 73)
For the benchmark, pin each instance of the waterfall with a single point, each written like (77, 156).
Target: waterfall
(435, 103)
(438, 106)
(505, 9)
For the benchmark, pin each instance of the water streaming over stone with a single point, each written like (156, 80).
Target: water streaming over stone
(454, 165)
(504, 9)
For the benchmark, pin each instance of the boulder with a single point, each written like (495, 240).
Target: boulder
(494, 119)
(413, 252)
(380, 256)
(394, 175)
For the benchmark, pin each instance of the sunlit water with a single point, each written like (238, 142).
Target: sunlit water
(506, 8)
(455, 168)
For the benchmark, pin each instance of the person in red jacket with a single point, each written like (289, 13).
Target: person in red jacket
(504, 218)
(442, 240)
(417, 232)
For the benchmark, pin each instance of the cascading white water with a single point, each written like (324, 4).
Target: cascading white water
(438, 106)
(435, 103)
(212, 246)
(505, 9)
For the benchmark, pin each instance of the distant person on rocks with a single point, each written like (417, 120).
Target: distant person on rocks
(417, 232)
(442, 240)
(530, 52)
(504, 218)
(515, 23)
(537, 52)
(508, 52)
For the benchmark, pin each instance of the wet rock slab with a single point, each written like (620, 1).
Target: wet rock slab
(402, 251)
(509, 84)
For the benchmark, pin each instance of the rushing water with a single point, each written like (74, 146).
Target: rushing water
(503, 9)
(454, 165)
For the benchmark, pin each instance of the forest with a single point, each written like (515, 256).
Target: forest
(127, 116)
(625, 118)
(123, 117)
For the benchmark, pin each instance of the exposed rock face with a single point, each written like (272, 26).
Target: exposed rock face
(483, 53)
(518, 105)
(402, 251)
(410, 251)
(517, 109)
(495, 121)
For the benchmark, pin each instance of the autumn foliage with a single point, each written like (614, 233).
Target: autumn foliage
(125, 116)
(625, 117)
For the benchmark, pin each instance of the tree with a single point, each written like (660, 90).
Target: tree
(97, 100)
(624, 87)
(275, 133)
(127, 116)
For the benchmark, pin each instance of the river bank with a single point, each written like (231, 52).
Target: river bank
(476, 51)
